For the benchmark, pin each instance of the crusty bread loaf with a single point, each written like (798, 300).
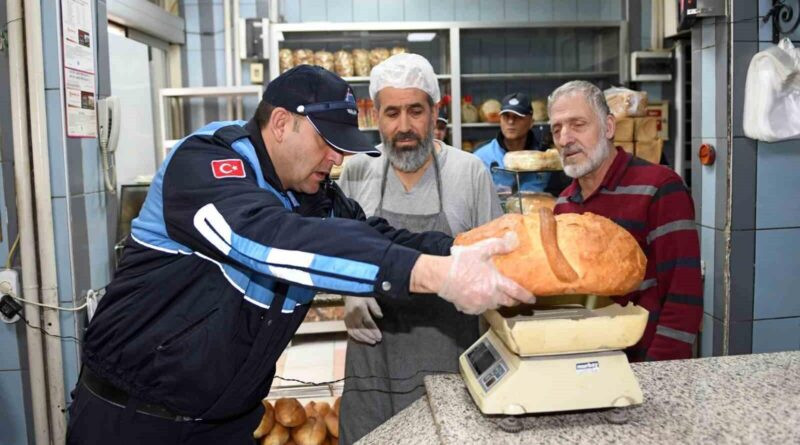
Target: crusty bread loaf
(289, 412)
(566, 254)
(337, 404)
(279, 435)
(312, 432)
(267, 421)
(332, 423)
(531, 202)
(532, 160)
(489, 111)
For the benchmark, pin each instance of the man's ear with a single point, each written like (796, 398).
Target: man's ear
(280, 122)
(611, 126)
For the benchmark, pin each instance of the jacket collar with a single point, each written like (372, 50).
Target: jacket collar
(268, 169)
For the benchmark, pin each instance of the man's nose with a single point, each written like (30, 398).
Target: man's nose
(565, 137)
(335, 155)
(404, 123)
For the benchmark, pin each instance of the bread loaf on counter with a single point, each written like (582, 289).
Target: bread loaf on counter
(532, 160)
(566, 254)
(267, 421)
(312, 432)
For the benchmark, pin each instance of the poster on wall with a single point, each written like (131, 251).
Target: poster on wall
(79, 75)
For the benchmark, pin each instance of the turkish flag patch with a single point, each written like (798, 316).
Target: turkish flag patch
(228, 168)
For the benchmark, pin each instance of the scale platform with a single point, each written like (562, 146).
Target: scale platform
(539, 359)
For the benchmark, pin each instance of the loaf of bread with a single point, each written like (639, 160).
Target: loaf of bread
(650, 151)
(539, 108)
(398, 50)
(267, 421)
(285, 60)
(303, 57)
(489, 111)
(531, 203)
(289, 412)
(469, 114)
(337, 404)
(332, 423)
(624, 130)
(532, 160)
(623, 102)
(279, 435)
(312, 432)
(343, 63)
(361, 62)
(566, 254)
(378, 55)
(646, 129)
(324, 59)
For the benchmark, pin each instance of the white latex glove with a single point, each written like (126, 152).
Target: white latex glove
(474, 285)
(358, 313)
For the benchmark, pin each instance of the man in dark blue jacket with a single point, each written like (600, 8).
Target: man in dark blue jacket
(239, 230)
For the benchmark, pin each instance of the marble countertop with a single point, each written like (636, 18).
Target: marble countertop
(737, 399)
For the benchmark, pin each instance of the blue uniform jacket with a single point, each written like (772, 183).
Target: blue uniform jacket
(220, 270)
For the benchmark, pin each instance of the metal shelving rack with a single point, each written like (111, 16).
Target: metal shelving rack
(282, 32)
(166, 95)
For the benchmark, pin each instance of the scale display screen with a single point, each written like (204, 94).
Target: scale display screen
(481, 358)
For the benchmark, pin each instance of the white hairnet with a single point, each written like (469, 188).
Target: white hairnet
(404, 70)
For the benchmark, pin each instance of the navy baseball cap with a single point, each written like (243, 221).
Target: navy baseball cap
(327, 101)
(517, 103)
(442, 115)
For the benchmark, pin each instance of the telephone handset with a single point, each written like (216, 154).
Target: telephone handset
(108, 123)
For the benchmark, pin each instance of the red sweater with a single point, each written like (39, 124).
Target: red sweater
(653, 204)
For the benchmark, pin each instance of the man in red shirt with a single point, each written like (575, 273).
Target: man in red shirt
(648, 200)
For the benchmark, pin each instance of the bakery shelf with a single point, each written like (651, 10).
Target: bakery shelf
(365, 79)
(539, 76)
(478, 59)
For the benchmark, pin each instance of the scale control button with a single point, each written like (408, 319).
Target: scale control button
(489, 381)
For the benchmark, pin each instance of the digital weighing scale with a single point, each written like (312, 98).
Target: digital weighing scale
(559, 357)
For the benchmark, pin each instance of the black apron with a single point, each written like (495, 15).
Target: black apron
(423, 335)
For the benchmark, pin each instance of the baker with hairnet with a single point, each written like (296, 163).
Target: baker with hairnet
(419, 184)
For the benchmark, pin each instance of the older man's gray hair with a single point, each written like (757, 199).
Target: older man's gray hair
(588, 90)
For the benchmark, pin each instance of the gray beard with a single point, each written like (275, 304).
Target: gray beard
(409, 160)
(596, 157)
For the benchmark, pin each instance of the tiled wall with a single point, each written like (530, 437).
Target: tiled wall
(84, 217)
(761, 313)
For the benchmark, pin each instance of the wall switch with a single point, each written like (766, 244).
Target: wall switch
(9, 285)
(257, 73)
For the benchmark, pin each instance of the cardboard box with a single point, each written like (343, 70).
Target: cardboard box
(624, 131)
(650, 151)
(660, 110)
(645, 129)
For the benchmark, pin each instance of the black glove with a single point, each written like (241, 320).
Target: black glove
(343, 207)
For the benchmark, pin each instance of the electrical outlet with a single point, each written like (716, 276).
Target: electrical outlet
(257, 73)
(9, 284)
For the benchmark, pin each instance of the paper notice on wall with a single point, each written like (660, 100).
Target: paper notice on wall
(78, 38)
(79, 88)
(79, 78)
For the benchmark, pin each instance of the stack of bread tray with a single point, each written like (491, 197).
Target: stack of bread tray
(635, 132)
(526, 161)
(288, 422)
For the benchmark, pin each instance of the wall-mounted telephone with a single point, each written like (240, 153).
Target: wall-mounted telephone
(108, 123)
